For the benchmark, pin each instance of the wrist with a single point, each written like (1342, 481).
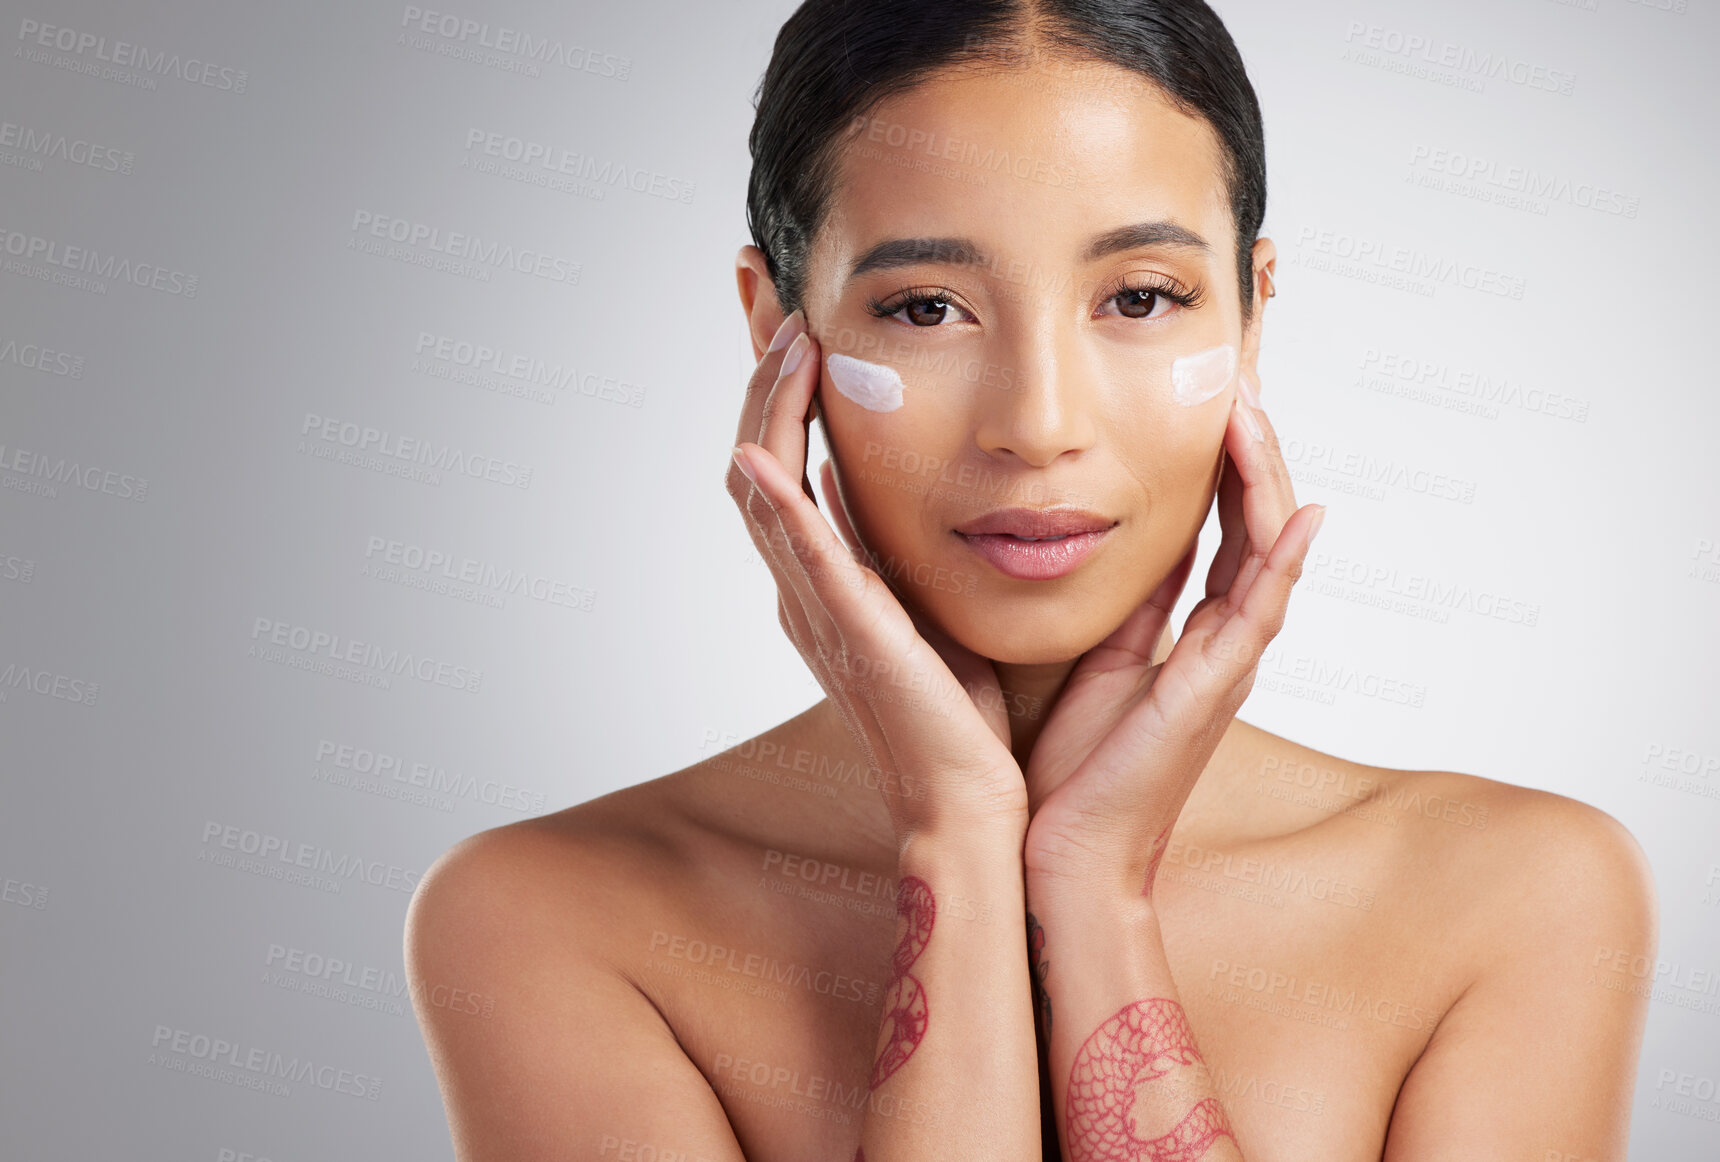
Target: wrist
(1108, 865)
(991, 849)
(1100, 897)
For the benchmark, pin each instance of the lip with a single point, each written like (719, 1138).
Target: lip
(1068, 536)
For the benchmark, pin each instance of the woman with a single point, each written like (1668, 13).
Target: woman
(1007, 254)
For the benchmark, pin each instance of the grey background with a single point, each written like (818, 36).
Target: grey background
(136, 713)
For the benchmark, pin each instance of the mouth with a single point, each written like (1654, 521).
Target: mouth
(1035, 544)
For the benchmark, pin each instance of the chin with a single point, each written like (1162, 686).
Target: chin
(1022, 630)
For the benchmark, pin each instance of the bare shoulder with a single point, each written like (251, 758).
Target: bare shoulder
(1522, 875)
(1492, 867)
(520, 950)
(1527, 913)
(551, 889)
(1543, 844)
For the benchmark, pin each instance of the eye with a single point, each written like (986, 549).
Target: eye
(1151, 300)
(924, 308)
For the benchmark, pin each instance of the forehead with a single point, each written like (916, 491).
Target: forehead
(1034, 161)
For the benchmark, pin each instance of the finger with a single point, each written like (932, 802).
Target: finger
(1235, 649)
(764, 376)
(977, 675)
(1268, 497)
(837, 590)
(839, 514)
(786, 417)
(1133, 642)
(791, 545)
(873, 633)
(1233, 539)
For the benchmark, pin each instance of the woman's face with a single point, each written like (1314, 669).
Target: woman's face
(1031, 253)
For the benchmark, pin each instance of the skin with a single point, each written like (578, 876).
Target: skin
(1127, 918)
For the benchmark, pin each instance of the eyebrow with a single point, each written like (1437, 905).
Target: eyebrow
(896, 252)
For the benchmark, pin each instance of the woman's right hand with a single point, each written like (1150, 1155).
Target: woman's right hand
(911, 708)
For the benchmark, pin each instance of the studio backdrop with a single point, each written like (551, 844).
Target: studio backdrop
(368, 373)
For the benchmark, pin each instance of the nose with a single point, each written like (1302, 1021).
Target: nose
(1046, 411)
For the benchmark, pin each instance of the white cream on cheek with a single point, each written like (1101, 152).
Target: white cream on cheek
(873, 386)
(1197, 378)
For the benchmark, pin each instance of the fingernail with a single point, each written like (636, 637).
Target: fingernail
(1314, 529)
(1245, 384)
(740, 458)
(1248, 420)
(785, 334)
(796, 352)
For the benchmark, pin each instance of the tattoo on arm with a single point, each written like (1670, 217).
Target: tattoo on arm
(1039, 967)
(905, 1013)
(1136, 1047)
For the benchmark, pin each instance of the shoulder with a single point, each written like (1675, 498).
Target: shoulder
(1546, 845)
(523, 953)
(550, 888)
(1532, 919)
(1523, 876)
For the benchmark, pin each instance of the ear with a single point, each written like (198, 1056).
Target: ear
(758, 302)
(758, 298)
(1265, 266)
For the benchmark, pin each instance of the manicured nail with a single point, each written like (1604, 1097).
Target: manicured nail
(1314, 529)
(785, 334)
(1248, 420)
(796, 352)
(1245, 384)
(740, 458)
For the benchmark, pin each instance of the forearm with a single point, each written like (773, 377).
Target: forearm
(1128, 1080)
(956, 1075)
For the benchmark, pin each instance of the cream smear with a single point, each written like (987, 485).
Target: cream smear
(873, 386)
(1197, 378)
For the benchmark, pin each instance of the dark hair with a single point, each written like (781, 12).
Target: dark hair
(835, 60)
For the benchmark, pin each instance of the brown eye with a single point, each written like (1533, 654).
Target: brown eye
(1140, 304)
(927, 312)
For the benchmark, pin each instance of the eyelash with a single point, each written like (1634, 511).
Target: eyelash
(1188, 299)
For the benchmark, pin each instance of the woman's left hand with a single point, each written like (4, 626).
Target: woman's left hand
(1127, 739)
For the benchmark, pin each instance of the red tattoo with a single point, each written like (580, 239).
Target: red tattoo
(905, 1016)
(1038, 966)
(1156, 854)
(1137, 1046)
